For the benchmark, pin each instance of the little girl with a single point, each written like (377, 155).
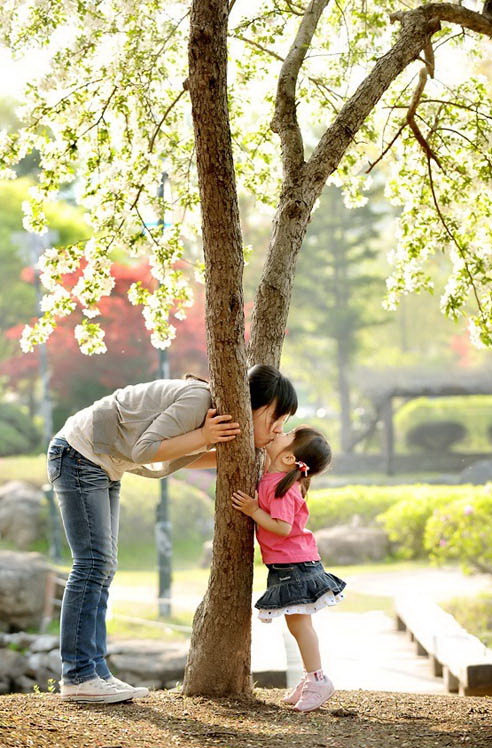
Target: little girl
(297, 583)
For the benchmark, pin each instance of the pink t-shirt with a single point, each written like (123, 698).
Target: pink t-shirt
(299, 544)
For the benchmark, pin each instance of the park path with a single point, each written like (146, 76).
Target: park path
(359, 650)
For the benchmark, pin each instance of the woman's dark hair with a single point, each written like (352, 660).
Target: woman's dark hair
(311, 448)
(267, 385)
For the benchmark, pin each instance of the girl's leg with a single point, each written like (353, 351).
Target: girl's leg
(301, 628)
(114, 506)
(316, 688)
(82, 489)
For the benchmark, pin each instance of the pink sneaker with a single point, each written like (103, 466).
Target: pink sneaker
(294, 695)
(314, 694)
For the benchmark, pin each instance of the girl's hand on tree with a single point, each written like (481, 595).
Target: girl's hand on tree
(218, 428)
(244, 503)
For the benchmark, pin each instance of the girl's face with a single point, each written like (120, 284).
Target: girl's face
(280, 445)
(266, 426)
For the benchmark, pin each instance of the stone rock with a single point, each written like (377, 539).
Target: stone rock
(45, 643)
(20, 640)
(37, 662)
(147, 662)
(54, 662)
(24, 684)
(12, 665)
(349, 544)
(477, 473)
(21, 520)
(22, 589)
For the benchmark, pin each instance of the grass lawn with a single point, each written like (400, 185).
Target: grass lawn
(137, 615)
(134, 615)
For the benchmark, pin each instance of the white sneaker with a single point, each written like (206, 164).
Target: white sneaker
(94, 690)
(137, 691)
(295, 694)
(314, 694)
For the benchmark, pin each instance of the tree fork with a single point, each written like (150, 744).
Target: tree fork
(274, 292)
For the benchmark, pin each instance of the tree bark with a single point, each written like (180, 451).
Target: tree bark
(219, 659)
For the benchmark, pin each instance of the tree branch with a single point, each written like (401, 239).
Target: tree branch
(425, 72)
(461, 252)
(388, 148)
(418, 26)
(163, 119)
(468, 19)
(285, 117)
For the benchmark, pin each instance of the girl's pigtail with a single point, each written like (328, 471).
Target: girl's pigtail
(287, 482)
(305, 482)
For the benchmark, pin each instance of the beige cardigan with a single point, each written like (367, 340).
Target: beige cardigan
(123, 431)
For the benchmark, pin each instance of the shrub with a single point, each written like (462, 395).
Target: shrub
(435, 436)
(405, 521)
(336, 506)
(462, 531)
(12, 442)
(474, 614)
(191, 511)
(403, 511)
(18, 433)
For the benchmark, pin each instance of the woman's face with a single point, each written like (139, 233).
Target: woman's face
(266, 426)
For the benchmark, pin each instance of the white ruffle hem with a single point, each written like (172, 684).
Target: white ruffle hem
(326, 600)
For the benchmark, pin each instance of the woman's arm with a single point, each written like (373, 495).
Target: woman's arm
(215, 429)
(207, 460)
(245, 504)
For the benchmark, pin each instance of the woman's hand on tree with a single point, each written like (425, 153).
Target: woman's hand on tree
(219, 428)
(244, 503)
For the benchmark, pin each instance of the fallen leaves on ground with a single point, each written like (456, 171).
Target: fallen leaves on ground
(167, 719)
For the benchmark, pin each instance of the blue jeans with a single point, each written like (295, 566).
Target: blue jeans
(89, 505)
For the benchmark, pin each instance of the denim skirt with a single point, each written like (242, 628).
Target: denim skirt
(303, 588)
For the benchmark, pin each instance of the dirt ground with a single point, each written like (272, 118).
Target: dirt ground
(164, 719)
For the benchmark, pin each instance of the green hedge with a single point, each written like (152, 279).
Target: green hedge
(406, 520)
(403, 511)
(462, 531)
(474, 412)
(336, 506)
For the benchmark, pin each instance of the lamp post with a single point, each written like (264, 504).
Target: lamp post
(33, 245)
(163, 536)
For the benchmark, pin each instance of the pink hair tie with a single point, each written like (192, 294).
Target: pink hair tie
(302, 467)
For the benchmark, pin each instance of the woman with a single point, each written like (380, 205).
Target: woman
(165, 421)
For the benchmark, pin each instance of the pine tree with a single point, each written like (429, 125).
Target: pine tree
(337, 290)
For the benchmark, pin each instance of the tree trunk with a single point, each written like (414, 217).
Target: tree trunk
(219, 659)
